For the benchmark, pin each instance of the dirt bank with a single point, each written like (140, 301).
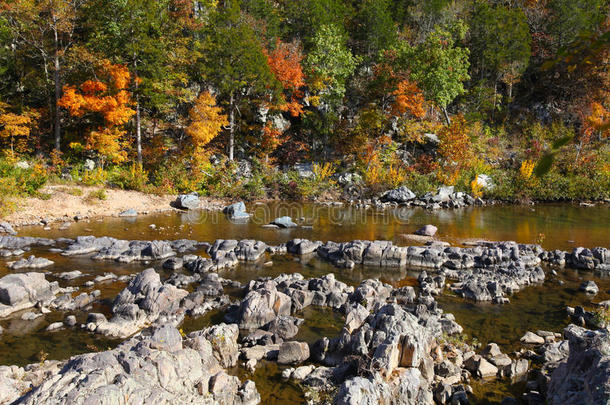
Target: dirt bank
(65, 203)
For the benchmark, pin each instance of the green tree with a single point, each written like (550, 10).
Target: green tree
(375, 30)
(328, 65)
(572, 18)
(233, 62)
(438, 65)
(500, 43)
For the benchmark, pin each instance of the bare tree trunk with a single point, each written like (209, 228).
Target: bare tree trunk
(138, 129)
(231, 127)
(138, 118)
(56, 78)
(446, 115)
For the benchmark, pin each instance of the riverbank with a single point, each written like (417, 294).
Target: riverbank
(67, 203)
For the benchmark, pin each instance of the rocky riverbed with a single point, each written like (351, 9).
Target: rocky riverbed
(394, 340)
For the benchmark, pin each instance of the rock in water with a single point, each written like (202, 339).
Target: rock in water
(129, 213)
(24, 290)
(589, 287)
(427, 230)
(585, 377)
(236, 211)
(293, 353)
(31, 262)
(284, 222)
(5, 227)
(187, 201)
(400, 195)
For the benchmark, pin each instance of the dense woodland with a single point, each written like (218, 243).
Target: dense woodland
(177, 95)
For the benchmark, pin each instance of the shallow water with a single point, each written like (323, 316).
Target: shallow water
(536, 307)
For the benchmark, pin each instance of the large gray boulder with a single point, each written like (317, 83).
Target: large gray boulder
(24, 290)
(585, 377)
(400, 195)
(284, 222)
(236, 211)
(262, 306)
(293, 353)
(144, 301)
(187, 201)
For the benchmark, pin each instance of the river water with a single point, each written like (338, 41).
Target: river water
(560, 226)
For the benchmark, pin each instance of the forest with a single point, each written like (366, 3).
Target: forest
(225, 97)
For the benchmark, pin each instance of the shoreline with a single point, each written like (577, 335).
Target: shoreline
(66, 205)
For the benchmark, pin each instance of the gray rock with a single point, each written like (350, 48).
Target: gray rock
(24, 290)
(400, 195)
(262, 306)
(187, 201)
(293, 353)
(236, 211)
(89, 164)
(70, 275)
(129, 213)
(531, 338)
(589, 287)
(585, 377)
(157, 366)
(31, 262)
(284, 222)
(427, 230)
(5, 227)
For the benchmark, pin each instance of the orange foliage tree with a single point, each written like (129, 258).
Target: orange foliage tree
(455, 148)
(207, 121)
(408, 98)
(285, 63)
(108, 102)
(16, 126)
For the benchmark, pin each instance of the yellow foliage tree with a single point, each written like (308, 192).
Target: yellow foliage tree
(207, 121)
(15, 125)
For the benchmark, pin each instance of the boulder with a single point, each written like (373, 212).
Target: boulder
(31, 262)
(187, 201)
(262, 306)
(427, 230)
(293, 352)
(129, 213)
(530, 338)
(284, 222)
(589, 287)
(236, 211)
(24, 290)
(400, 195)
(5, 227)
(585, 377)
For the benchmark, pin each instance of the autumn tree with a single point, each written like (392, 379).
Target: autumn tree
(206, 119)
(135, 33)
(285, 64)
(455, 148)
(105, 106)
(408, 98)
(13, 125)
(47, 28)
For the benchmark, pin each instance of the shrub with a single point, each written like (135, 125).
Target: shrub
(99, 194)
(94, 177)
(133, 177)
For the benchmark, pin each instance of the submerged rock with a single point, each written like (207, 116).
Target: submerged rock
(589, 287)
(129, 213)
(5, 227)
(31, 262)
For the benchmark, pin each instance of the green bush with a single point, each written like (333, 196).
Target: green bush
(133, 177)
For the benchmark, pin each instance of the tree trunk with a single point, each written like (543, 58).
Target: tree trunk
(56, 78)
(138, 129)
(231, 127)
(138, 119)
(446, 116)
